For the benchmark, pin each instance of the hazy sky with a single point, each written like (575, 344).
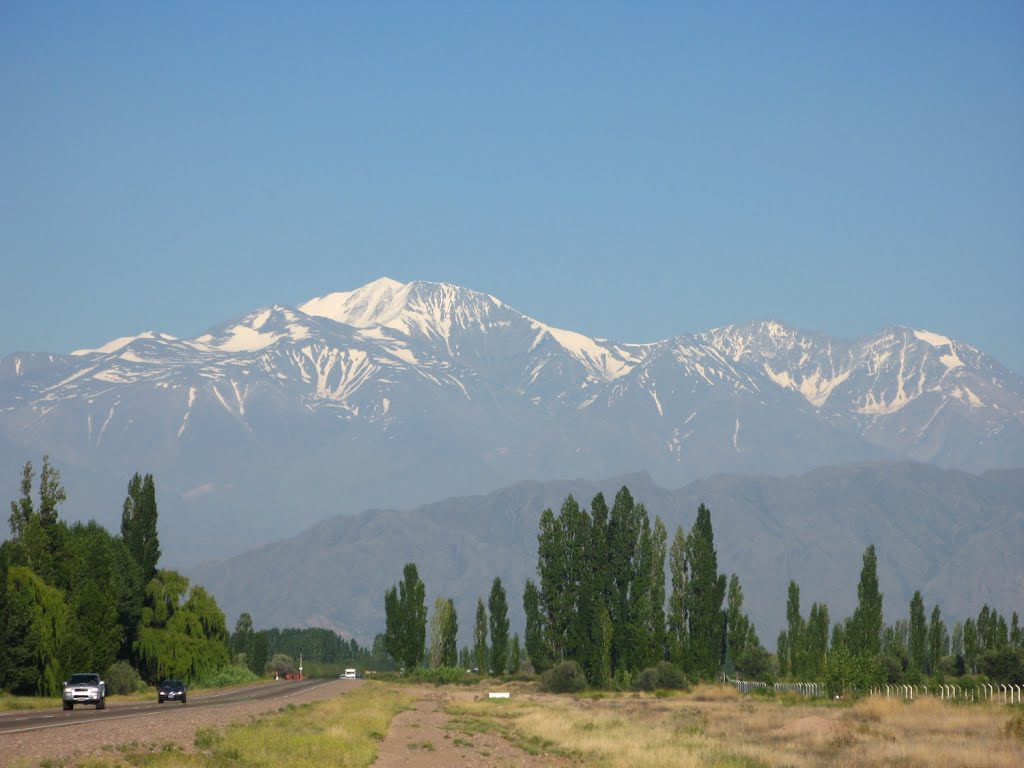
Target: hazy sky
(627, 170)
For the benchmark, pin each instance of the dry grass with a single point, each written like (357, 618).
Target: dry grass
(716, 726)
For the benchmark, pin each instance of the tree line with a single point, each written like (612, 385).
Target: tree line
(605, 600)
(76, 597)
(405, 635)
(862, 651)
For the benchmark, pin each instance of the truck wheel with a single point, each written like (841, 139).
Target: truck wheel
(69, 705)
(101, 704)
(183, 699)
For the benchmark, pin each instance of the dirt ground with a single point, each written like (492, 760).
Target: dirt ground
(426, 737)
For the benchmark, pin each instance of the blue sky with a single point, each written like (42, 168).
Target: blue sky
(626, 170)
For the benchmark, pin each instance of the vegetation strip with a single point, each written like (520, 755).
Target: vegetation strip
(344, 731)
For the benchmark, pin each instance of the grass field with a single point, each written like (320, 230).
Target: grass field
(715, 726)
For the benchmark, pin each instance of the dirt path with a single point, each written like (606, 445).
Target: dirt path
(425, 737)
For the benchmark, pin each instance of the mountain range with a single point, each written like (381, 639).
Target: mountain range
(953, 535)
(396, 394)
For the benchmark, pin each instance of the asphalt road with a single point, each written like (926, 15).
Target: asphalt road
(22, 721)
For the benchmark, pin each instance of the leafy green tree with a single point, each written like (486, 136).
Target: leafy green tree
(705, 593)
(816, 641)
(970, 645)
(498, 606)
(183, 632)
(938, 640)
(242, 637)
(678, 621)
(866, 636)
(444, 628)
(37, 534)
(258, 654)
(623, 542)
(139, 523)
(36, 630)
(659, 639)
(737, 624)
(480, 637)
(794, 631)
(537, 648)
(918, 635)
(513, 655)
(782, 653)
(641, 651)
(405, 611)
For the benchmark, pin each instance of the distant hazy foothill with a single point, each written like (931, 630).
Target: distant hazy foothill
(953, 535)
(396, 394)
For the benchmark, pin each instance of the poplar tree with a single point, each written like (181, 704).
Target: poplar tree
(538, 650)
(623, 538)
(678, 621)
(737, 623)
(866, 636)
(480, 637)
(705, 594)
(405, 612)
(816, 641)
(139, 523)
(513, 655)
(444, 627)
(794, 630)
(659, 540)
(938, 640)
(498, 606)
(918, 634)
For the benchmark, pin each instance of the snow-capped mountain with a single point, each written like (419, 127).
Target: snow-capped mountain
(395, 394)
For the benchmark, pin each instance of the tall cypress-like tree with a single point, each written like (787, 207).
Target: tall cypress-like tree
(480, 637)
(623, 539)
(659, 540)
(498, 606)
(705, 594)
(938, 640)
(918, 634)
(866, 638)
(641, 610)
(139, 523)
(816, 641)
(443, 630)
(794, 630)
(737, 624)
(678, 621)
(538, 651)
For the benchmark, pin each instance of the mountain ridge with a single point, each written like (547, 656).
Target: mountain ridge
(397, 393)
(948, 533)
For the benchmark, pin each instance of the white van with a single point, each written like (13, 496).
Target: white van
(350, 674)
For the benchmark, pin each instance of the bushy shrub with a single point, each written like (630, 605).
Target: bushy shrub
(623, 680)
(442, 675)
(234, 674)
(670, 676)
(647, 680)
(564, 677)
(122, 679)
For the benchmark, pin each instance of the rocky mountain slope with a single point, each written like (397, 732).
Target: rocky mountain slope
(395, 394)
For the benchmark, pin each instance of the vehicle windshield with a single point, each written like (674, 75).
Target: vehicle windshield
(84, 679)
(171, 684)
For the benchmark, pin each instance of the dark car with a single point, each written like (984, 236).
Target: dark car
(171, 690)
